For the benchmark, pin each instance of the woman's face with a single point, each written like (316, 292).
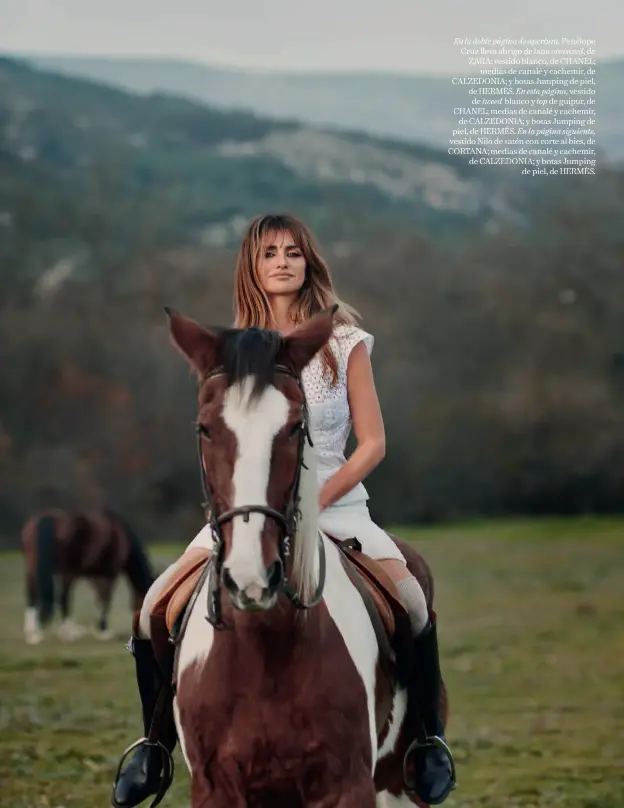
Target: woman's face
(281, 265)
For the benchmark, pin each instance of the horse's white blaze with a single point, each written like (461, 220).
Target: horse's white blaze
(347, 610)
(255, 425)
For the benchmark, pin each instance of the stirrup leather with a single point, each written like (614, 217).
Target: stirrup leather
(168, 767)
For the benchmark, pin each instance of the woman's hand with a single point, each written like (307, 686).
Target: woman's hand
(324, 499)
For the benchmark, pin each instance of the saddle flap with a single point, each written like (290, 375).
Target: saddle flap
(380, 585)
(179, 588)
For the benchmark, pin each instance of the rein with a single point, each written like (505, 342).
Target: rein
(287, 521)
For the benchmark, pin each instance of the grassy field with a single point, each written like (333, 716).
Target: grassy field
(532, 633)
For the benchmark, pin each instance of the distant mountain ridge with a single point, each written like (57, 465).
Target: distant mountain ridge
(88, 169)
(412, 108)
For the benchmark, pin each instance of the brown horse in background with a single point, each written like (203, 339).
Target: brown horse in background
(98, 545)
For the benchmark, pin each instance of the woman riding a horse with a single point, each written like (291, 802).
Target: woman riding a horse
(282, 284)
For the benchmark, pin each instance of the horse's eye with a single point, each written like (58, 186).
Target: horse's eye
(205, 432)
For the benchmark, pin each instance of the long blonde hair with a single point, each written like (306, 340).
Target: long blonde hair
(251, 304)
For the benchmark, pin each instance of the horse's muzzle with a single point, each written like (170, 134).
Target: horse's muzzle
(256, 596)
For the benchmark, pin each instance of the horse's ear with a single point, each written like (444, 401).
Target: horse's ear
(307, 339)
(197, 344)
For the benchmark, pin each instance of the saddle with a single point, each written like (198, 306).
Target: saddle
(389, 617)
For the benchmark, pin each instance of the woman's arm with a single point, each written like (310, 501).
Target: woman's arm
(368, 427)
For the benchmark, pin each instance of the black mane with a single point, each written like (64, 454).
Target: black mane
(250, 352)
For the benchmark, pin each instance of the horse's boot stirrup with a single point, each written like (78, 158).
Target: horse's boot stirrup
(428, 765)
(150, 770)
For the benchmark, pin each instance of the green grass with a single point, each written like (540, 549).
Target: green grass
(531, 627)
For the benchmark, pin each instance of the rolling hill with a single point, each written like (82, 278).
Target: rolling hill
(408, 107)
(86, 167)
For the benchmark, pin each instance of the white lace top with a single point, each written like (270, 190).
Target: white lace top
(330, 415)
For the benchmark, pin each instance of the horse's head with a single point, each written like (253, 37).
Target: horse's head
(252, 425)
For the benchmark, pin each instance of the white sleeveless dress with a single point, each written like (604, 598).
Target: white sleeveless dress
(331, 423)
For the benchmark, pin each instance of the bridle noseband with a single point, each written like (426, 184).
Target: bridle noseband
(287, 521)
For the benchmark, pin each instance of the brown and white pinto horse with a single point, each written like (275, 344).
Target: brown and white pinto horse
(98, 545)
(279, 692)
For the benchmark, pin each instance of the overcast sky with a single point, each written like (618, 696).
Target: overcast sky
(393, 35)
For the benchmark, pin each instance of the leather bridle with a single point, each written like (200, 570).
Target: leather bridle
(287, 521)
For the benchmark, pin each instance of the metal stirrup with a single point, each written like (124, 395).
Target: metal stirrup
(433, 742)
(166, 778)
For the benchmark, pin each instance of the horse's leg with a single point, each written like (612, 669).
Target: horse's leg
(104, 589)
(32, 630)
(68, 631)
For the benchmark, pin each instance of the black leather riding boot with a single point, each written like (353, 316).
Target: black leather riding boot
(150, 771)
(429, 768)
